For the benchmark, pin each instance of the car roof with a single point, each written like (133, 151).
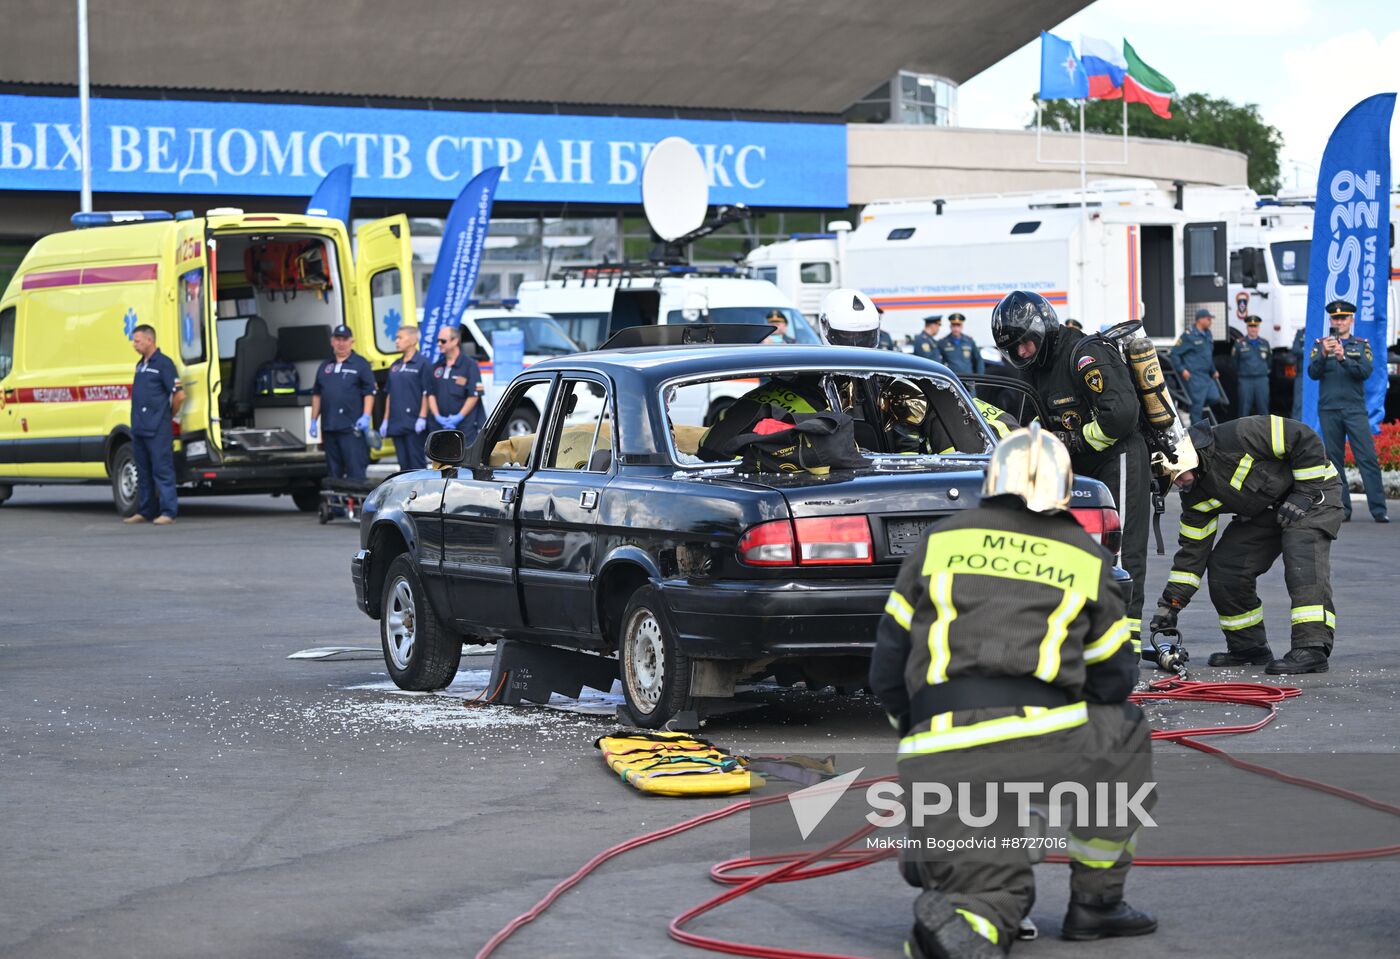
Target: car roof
(660, 363)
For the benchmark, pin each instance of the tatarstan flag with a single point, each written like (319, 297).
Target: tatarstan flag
(1145, 85)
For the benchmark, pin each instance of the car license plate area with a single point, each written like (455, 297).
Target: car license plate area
(902, 535)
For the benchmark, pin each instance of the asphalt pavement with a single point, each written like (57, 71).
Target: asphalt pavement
(171, 784)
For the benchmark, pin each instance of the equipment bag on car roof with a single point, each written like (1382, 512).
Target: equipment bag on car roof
(770, 439)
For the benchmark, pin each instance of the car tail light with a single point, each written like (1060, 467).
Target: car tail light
(834, 541)
(1103, 525)
(768, 544)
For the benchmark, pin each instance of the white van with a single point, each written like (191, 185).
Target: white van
(591, 304)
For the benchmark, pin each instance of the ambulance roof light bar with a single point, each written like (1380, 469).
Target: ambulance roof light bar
(117, 217)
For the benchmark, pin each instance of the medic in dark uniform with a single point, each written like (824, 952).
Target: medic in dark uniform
(344, 392)
(406, 405)
(155, 399)
(452, 399)
(1093, 407)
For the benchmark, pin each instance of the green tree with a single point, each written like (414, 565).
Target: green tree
(1196, 118)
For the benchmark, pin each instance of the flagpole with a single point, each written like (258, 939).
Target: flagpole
(1083, 211)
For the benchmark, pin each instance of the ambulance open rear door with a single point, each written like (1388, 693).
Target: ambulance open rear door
(384, 269)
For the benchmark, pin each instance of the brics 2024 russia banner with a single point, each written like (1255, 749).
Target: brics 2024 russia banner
(1350, 254)
(261, 149)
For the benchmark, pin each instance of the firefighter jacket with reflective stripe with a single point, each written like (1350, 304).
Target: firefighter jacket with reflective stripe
(1253, 463)
(1003, 424)
(1000, 591)
(1087, 389)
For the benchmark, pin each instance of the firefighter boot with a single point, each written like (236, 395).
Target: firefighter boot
(1086, 920)
(1303, 659)
(941, 933)
(1255, 656)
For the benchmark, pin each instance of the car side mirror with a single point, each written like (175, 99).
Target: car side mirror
(448, 447)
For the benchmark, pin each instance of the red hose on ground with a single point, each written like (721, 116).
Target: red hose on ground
(836, 858)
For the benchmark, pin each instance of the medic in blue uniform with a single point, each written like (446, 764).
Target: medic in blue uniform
(452, 400)
(344, 393)
(406, 408)
(155, 399)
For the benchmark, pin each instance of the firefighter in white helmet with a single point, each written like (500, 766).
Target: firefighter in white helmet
(849, 318)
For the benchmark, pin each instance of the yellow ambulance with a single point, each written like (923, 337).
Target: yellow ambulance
(243, 303)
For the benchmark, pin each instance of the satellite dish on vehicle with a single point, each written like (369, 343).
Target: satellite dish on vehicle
(675, 190)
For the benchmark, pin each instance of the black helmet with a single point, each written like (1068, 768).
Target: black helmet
(1022, 315)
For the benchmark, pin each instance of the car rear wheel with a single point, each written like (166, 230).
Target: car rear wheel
(420, 652)
(6, 491)
(307, 500)
(124, 483)
(655, 673)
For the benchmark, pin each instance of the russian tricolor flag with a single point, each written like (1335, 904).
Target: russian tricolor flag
(1105, 67)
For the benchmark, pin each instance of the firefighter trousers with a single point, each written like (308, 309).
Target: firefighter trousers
(1248, 548)
(994, 889)
(1134, 501)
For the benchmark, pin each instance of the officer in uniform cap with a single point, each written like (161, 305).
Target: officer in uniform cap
(1194, 356)
(452, 399)
(342, 401)
(156, 397)
(1253, 359)
(961, 666)
(958, 352)
(405, 405)
(926, 343)
(1273, 474)
(1341, 363)
(1088, 393)
(1073, 324)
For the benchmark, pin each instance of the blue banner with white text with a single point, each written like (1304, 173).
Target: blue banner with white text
(459, 257)
(332, 197)
(264, 149)
(1350, 256)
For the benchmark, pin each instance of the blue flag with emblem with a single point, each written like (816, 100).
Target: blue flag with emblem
(332, 197)
(1062, 76)
(1350, 255)
(458, 259)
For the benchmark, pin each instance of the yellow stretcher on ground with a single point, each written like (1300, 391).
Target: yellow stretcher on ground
(675, 764)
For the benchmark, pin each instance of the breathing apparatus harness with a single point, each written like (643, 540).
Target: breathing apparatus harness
(1168, 444)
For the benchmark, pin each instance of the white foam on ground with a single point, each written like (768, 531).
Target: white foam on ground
(470, 683)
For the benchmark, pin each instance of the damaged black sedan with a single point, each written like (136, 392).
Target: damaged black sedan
(612, 529)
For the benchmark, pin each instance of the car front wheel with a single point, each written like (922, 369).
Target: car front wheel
(419, 650)
(655, 673)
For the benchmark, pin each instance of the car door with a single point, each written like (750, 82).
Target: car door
(479, 514)
(559, 507)
(1012, 395)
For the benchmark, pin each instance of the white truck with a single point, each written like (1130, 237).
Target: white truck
(1132, 251)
